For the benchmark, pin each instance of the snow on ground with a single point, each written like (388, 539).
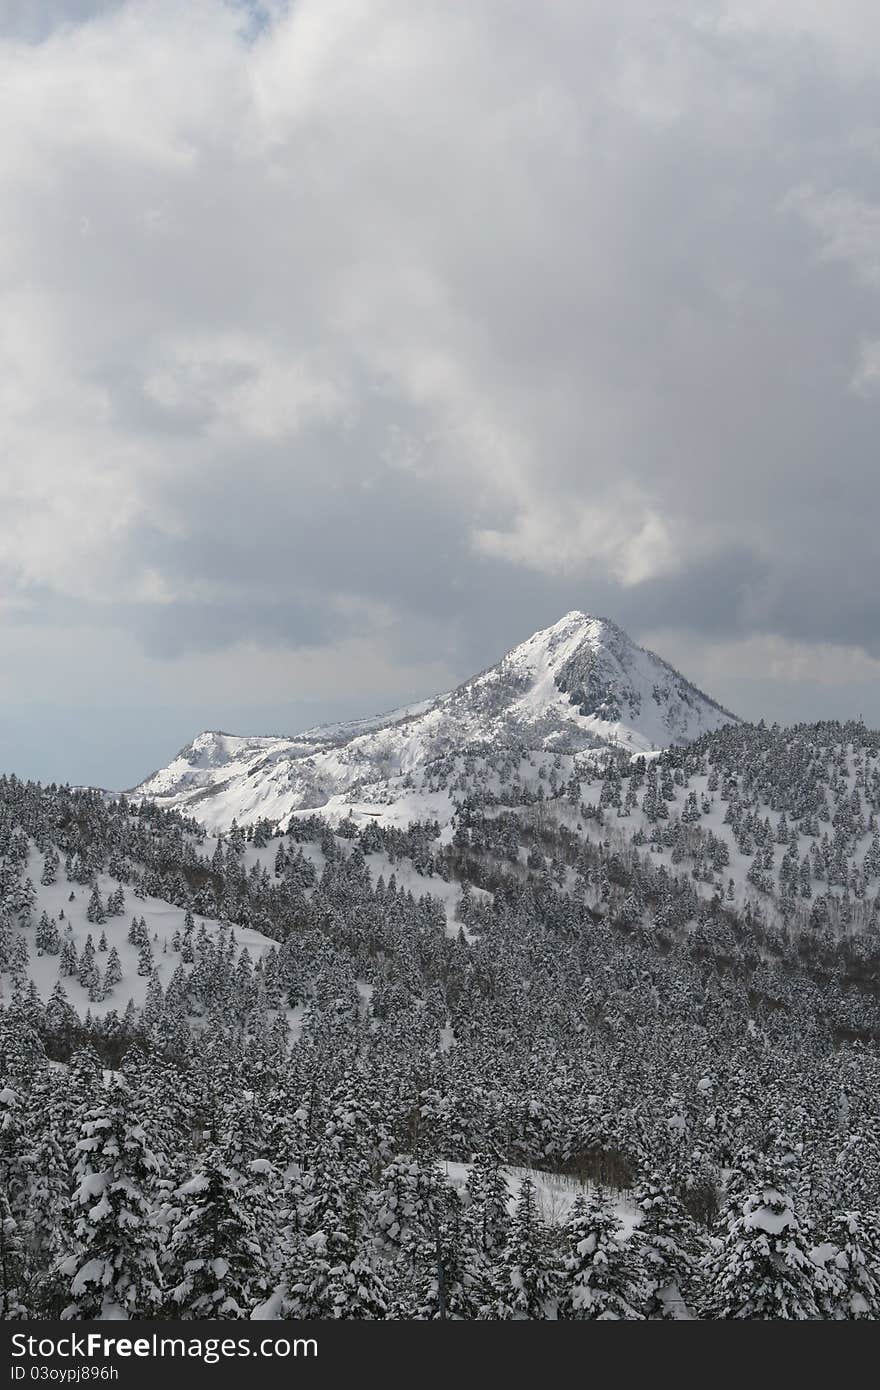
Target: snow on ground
(555, 1192)
(162, 921)
(392, 802)
(295, 1019)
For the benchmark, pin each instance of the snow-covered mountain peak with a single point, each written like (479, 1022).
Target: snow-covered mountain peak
(579, 684)
(621, 693)
(550, 646)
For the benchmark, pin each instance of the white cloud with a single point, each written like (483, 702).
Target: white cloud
(626, 539)
(848, 228)
(242, 385)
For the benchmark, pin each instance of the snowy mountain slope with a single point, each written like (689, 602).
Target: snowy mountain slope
(580, 684)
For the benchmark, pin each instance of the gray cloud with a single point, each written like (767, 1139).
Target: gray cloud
(337, 318)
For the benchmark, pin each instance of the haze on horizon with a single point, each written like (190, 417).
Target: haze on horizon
(343, 345)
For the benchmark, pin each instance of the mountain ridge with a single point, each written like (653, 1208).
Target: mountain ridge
(580, 684)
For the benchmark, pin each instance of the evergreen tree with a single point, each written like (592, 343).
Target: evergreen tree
(47, 1220)
(762, 1266)
(87, 969)
(113, 1268)
(215, 1266)
(526, 1274)
(487, 1217)
(854, 1268)
(599, 1279)
(112, 971)
(95, 912)
(145, 959)
(329, 1276)
(665, 1247)
(51, 861)
(13, 1188)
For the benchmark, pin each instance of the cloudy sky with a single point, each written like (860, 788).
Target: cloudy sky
(345, 342)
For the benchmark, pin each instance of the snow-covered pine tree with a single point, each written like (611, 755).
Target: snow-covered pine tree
(854, 1267)
(96, 912)
(214, 1264)
(88, 972)
(13, 1187)
(145, 959)
(48, 1212)
(329, 1274)
(664, 1246)
(600, 1275)
(86, 962)
(113, 1269)
(526, 1273)
(488, 1218)
(112, 970)
(51, 861)
(761, 1266)
(445, 1285)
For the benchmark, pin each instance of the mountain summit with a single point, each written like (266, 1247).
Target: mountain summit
(580, 684)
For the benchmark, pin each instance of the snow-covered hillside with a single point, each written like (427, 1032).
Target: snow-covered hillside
(577, 685)
(65, 906)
